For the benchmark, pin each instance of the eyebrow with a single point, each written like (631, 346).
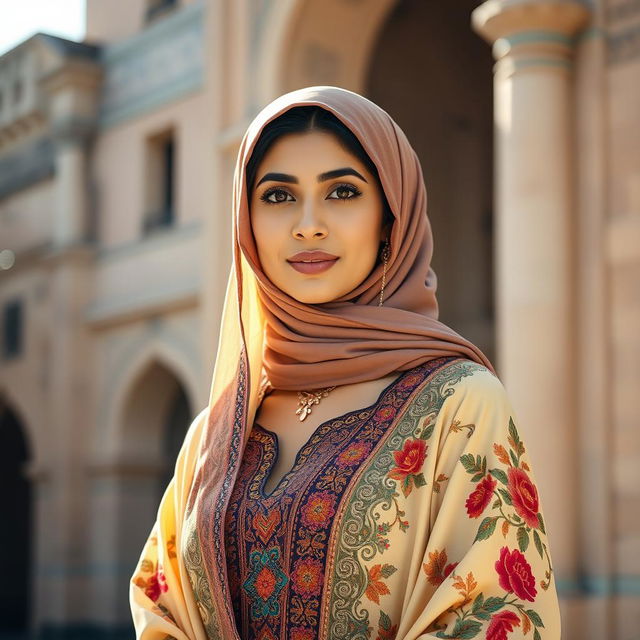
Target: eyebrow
(328, 175)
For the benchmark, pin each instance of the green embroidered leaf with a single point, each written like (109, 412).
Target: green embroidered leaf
(387, 570)
(513, 458)
(505, 496)
(385, 621)
(536, 539)
(477, 477)
(493, 604)
(486, 528)
(427, 433)
(541, 523)
(468, 462)
(500, 475)
(513, 432)
(483, 615)
(523, 539)
(477, 603)
(536, 634)
(496, 503)
(419, 480)
(535, 618)
(464, 629)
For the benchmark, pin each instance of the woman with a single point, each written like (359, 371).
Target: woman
(358, 472)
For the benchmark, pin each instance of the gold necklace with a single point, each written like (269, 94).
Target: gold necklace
(306, 399)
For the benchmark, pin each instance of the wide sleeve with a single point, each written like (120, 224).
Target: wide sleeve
(160, 596)
(486, 571)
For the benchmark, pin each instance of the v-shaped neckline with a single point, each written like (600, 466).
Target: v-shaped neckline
(283, 482)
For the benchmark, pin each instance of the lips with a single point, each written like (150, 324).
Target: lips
(312, 261)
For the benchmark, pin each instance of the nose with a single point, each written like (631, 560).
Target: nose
(309, 224)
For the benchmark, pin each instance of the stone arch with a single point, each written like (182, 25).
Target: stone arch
(314, 43)
(127, 481)
(16, 566)
(26, 414)
(432, 73)
(111, 438)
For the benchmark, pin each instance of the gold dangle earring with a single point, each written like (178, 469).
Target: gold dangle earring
(386, 254)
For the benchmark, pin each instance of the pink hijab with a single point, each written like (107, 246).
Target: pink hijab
(352, 339)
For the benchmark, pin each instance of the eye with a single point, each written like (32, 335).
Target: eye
(266, 196)
(346, 189)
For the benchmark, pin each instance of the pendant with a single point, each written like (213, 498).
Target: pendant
(306, 399)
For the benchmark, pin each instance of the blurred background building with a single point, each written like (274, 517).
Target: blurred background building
(116, 164)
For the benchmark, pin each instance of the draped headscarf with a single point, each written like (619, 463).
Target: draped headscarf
(350, 339)
(267, 334)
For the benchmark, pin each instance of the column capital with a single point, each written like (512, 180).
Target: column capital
(531, 31)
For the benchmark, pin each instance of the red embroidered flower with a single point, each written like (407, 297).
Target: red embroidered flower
(318, 509)
(156, 585)
(501, 624)
(409, 381)
(410, 459)
(480, 497)
(265, 583)
(515, 574)
(302, 633)
(449, 568)
(524, 495)
(307, 577)
(384, 413)
(353, 454)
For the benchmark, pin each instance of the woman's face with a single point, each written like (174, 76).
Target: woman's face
(311, 194)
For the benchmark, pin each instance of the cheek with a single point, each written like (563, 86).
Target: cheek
(264, 232)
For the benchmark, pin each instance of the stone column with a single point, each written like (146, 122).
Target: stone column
(71, 91)
(533, 44)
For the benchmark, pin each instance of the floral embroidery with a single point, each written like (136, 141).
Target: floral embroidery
(155, 584)
(515, 574)
(436, 483)
(354, 454)
(302, 633)
(317, 511)
(511, 489)
(524, 496)
(265, 582)
(501, 624)
(514, 578)
(479, 499)
(384, 413)
(299, 517)
(386, 631)
(363, 532)
(409, 461)
(375, 586)
(437, 568)
(517, 491)
(307, 577)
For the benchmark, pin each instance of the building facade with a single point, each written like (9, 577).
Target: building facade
(116, 166)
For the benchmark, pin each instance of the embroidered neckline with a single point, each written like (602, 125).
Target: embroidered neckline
(314, 439)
